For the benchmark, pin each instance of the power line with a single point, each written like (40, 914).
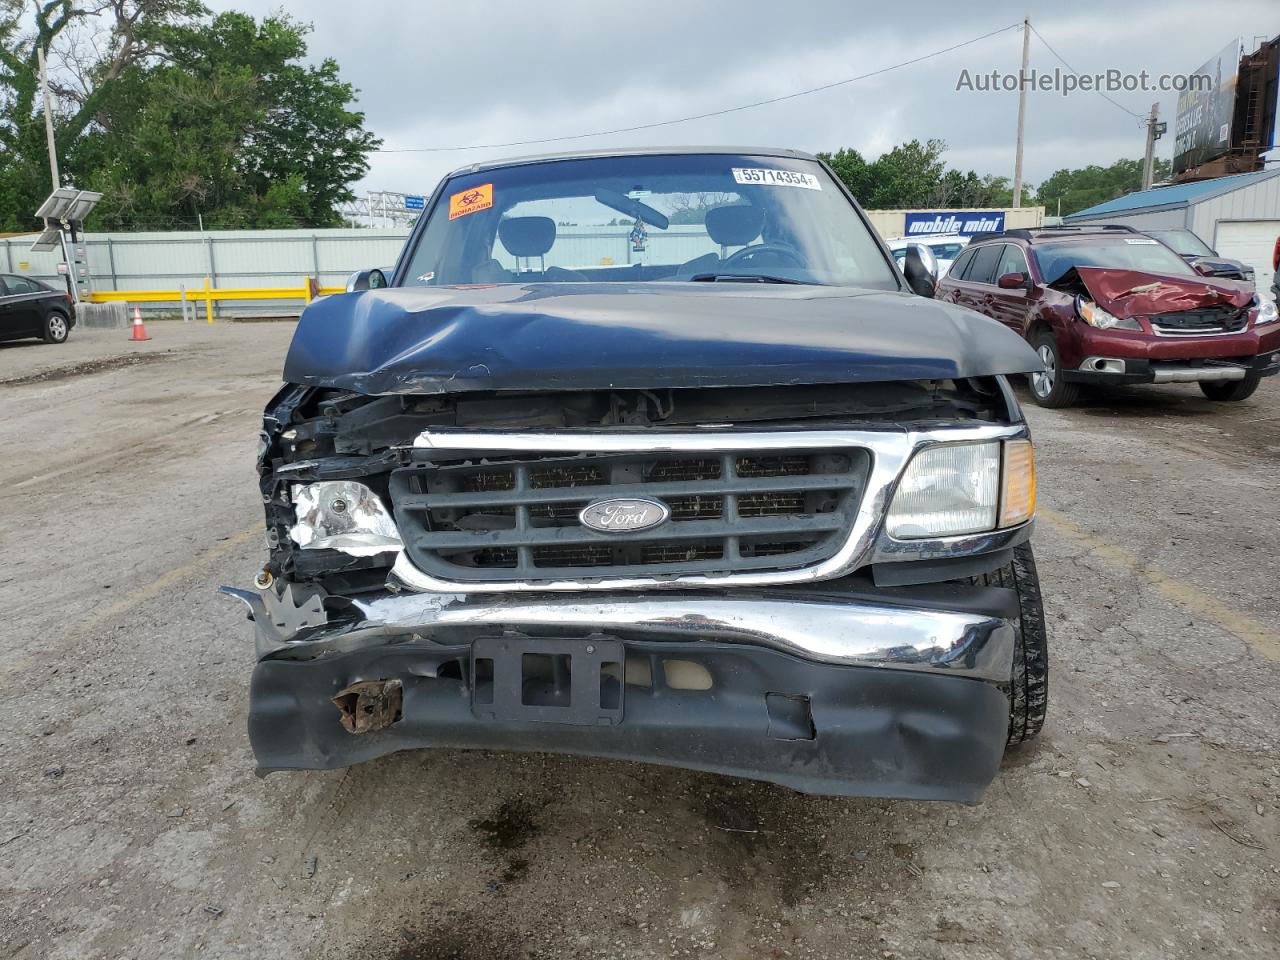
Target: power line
(712, 113)
(1121, 106)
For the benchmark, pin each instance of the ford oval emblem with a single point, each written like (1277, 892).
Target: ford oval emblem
(624, 515)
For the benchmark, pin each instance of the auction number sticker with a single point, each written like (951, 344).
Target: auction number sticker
(471, 201)
(776, 178)
(1143, 241)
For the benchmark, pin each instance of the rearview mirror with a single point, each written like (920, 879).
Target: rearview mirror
(1013, 281)
(920, 267)
(373, 279)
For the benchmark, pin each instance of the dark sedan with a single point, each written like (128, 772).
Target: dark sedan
(29, 308)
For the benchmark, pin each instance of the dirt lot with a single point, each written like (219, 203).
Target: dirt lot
(1144, 824)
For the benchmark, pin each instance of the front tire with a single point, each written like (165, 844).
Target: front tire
(1229, 391)
(1048, 389)
(1029, 679)
(56, 327)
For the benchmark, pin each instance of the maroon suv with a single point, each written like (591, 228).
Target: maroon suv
(1115, 306)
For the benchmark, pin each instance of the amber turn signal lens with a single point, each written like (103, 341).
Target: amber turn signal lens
(1018, 495)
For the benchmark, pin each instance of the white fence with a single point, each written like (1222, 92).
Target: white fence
(280, 258)
(285, 258)
(230, 258)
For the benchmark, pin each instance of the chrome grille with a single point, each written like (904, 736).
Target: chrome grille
(516, 518)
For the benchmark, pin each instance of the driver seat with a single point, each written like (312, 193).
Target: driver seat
(732, 226)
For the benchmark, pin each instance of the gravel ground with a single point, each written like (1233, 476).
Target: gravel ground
(1145, 823)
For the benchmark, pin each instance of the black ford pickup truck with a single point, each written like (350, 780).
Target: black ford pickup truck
(651, 454)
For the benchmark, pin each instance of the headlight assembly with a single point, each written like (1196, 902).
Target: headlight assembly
(957, 488)
(343, 515)
(1095, 316)
(1267, 312)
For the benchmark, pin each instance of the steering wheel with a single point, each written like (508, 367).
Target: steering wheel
(781, 251)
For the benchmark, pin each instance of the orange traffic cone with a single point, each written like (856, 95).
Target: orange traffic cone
(139, 331)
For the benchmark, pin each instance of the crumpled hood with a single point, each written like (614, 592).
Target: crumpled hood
(1134, 293)
(639, 336)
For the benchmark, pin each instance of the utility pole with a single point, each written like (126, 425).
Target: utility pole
(1154, 131)
(48, 119)
(73, 285)
(1023, 80)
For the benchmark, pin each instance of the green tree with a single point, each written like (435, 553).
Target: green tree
(907, 175)
(301, 120)
(24, 177)
(848, 164)
(999, 192)
(186, 115)
(956, 189)
(913, 174)
(1084, 187)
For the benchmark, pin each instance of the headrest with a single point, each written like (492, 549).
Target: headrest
(735, 226)
(527, 236)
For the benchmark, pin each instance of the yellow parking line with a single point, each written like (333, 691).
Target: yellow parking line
(176, 575)
(1265, 641)
(12, 666)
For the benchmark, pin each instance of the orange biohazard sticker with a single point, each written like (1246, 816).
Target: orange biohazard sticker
(471, 201)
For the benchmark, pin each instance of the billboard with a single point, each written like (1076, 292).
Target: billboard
(964, 222)
(1269, 55)
(1202, 127)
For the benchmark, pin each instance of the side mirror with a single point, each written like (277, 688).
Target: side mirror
(1013, 281)
(373, 279)
(920, 267)
(1202, 267)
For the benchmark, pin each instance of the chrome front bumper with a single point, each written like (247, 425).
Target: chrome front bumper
(844, 633)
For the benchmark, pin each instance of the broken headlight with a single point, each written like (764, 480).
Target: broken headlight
(1095, 316)
(1267, 312)
(342, 515)
(956, 488)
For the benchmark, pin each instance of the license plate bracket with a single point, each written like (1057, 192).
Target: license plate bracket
(548, 680)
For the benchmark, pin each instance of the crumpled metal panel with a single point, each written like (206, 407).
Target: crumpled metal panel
(343, 515)
(1134, 293)
(597, 336)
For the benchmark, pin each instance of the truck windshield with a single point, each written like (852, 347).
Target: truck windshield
(678, 217)
(1121, 253)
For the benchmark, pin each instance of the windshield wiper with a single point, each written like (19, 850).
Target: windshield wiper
(747, 278)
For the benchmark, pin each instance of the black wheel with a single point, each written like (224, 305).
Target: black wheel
(1029, 682)
(1228, 391)
(1048, 388)
(56, 327)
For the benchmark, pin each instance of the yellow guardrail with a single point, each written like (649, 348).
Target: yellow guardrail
(307, 291)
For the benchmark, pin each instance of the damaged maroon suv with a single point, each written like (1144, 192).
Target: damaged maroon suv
(1114, 306)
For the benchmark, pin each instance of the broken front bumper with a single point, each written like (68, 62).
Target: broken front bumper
(1118, 370)
(833, 696)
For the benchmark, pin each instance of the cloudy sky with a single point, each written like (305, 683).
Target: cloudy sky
(435, 74)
